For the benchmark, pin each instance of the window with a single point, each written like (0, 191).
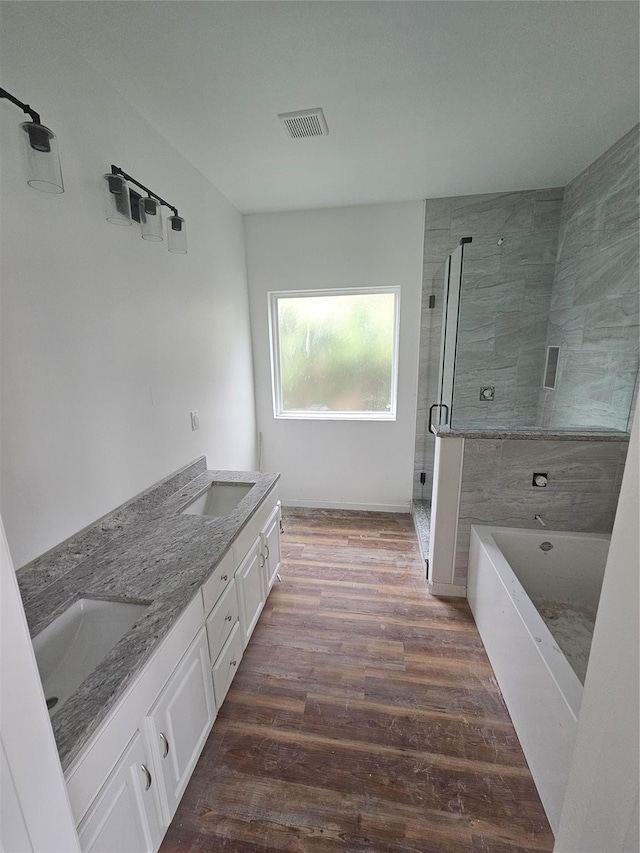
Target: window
(334, 353)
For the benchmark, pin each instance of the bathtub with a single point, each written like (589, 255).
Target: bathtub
(508, 572)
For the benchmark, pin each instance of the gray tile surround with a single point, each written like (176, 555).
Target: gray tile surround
(569, 262)
(504, 308)
(595, 306)
(144, 551)
(581, 495)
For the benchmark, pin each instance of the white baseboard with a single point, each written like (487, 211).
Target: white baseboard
(447, 590)
(404, 508)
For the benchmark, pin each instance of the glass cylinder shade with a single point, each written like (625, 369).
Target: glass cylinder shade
(177, 235)
(115, 197)
(151, 219)
(41, 159)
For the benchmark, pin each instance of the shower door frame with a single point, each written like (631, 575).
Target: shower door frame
(443, 408)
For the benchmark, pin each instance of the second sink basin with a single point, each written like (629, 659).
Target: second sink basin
(72, 646)
(219, 499)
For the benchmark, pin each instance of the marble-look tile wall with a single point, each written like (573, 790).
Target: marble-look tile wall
(506, 291)
(504, 309)
(581, 495)
(595, 314)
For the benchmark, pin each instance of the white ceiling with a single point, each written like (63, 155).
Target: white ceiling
(422, 99)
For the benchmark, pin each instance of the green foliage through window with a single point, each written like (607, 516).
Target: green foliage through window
(336, 352)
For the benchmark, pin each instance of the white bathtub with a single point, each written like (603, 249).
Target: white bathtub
(507, 569)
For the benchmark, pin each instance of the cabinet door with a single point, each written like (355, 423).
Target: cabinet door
(250, 583)
(179, 722)
(271, 548)
(124, 817)
(226, 664)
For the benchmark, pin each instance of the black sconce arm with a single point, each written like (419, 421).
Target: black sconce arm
(116, 170)
(24, 107)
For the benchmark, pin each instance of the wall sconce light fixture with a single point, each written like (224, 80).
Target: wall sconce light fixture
(39, 151)
(123, 205)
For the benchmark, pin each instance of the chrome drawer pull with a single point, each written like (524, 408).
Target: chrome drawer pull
(166, 745)
(148, 775)
(233, 663)
(228, 617)
(263, 561)
(224, 578)
(267, 550)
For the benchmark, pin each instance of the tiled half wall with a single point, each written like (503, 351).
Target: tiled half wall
(581, 495)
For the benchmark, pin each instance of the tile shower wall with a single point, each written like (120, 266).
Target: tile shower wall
(581, 495)
(506, 291)
(594, 312)
(504, 308)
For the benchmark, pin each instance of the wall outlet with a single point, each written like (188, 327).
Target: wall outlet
(195, 420)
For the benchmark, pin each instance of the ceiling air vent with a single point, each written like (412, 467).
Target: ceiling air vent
(305, 123)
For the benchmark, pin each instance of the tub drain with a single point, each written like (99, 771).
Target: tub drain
(52, 701)
(546, 546)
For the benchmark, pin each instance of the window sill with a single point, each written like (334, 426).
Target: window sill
(336, 416)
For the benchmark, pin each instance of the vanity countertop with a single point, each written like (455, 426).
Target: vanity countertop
(145, 551)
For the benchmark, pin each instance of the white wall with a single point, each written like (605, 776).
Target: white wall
(600, 811)
(352, 464)
(108, 341)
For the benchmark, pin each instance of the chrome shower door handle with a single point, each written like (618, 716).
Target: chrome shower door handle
(430, 427)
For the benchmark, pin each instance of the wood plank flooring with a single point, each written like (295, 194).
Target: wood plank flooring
(364, 716)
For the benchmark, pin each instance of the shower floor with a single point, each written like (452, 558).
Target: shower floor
(572, 628)
(422, 524)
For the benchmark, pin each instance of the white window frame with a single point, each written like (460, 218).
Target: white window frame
(274, 345)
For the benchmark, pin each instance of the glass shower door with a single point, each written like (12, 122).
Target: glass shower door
(440, 411)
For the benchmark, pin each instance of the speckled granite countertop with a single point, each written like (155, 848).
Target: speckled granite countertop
(145, 551)
(531, 432)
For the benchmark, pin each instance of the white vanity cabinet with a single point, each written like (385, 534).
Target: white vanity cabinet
(179, 723)
(125, 786)
(124, 816)
(100, 791)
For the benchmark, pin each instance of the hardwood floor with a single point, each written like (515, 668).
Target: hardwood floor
(364, 716)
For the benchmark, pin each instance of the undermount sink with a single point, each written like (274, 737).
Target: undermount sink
(219, 499)
(72, 646)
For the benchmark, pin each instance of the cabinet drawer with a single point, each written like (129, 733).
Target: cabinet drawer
(226, 665)
(221, 620)
(216, 584)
